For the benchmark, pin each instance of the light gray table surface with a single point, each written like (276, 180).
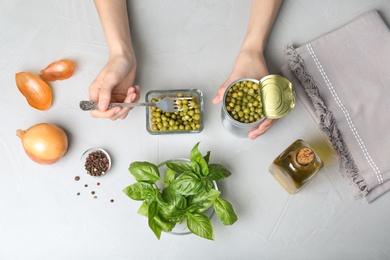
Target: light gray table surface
(179, 44)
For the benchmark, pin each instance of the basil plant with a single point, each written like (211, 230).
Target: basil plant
(187, 191)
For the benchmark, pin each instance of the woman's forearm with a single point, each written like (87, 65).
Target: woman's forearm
(261, 19)
(115, 22)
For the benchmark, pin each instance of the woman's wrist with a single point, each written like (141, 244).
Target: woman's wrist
(262, 16)
(254, 45)
(121, 49)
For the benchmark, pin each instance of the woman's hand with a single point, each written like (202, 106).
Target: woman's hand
(115, 84)
(115, 81)
(249, 64)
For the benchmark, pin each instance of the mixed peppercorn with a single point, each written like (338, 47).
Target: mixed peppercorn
(97, 163)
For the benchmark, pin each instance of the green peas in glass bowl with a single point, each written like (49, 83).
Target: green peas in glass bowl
(188, 120)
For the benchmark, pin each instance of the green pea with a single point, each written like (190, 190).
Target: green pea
(186, 119)
(243, 102)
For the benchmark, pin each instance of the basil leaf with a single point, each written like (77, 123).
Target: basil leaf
(153, 224)
(196, 169)
(143, 210)
(207, 157)
(172, 197)
(139, 191)
(203, 200)
(177, 216)
(207, 184)
(225, 211)
(180, 167)
(145, 171)
(156, 223)
(152, 209)
(218, 172)
(200, 225)
(169, 176)
(168, 211)
(165, 225)
(187, 183)
(196, 157)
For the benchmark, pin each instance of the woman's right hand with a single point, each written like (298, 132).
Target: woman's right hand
(114, 83)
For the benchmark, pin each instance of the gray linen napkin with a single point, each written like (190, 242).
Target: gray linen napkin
(343, 79)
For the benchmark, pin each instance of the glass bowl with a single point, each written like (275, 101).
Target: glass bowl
(181, 228)
(178, 126)
(100, 157)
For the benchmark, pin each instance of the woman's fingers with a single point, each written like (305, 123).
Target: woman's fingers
(262, 128)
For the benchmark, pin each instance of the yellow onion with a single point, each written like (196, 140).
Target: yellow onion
(37, 93)
(44, 143)
(58, 70)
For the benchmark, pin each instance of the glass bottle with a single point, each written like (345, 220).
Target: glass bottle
(295, 166)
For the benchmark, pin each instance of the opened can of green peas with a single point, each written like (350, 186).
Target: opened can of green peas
(247, 102)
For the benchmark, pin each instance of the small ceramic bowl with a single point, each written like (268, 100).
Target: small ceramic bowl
(96, 162)
(171, 123)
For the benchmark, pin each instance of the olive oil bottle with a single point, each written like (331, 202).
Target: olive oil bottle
(295, 166)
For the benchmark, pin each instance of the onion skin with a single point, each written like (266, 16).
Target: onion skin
(37, 92)
(58, 70)
(44, 143)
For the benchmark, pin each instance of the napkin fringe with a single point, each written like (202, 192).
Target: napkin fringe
(327, 123)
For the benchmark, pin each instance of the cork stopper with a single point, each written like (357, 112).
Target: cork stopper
(305, 156)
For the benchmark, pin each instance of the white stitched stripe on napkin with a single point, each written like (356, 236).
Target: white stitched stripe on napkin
(346, 114)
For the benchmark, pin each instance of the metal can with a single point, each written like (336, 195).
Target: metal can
(274, 93)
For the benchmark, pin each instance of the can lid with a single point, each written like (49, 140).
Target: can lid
(277, 94)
